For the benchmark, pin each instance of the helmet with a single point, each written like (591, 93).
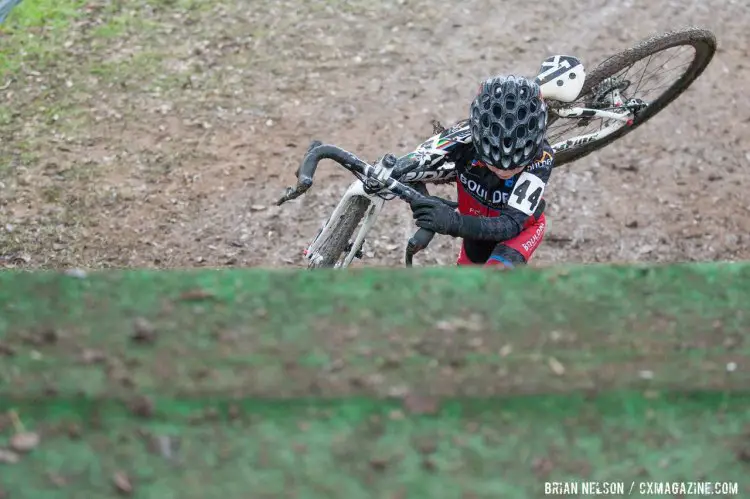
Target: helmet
(508, 118)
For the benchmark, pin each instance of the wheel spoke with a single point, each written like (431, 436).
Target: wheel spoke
(667, 70)
(644, 72)
(654, 73)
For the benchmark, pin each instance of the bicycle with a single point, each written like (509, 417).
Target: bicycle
(575, 100)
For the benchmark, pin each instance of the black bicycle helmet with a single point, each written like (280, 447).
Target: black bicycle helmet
(508, 119)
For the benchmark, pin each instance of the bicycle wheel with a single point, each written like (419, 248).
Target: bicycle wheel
(689, 50)
(336, 243)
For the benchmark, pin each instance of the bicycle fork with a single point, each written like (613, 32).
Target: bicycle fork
(357, 188)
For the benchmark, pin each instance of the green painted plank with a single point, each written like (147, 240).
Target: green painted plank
(359, 448)
(451, 332)
(247, 383)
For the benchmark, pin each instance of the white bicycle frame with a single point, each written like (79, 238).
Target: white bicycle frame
(615, 120)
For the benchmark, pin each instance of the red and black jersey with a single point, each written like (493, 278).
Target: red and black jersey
(502, 207)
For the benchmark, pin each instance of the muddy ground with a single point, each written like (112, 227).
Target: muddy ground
(160, 134)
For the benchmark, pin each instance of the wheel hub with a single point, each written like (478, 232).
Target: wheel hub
(609, 93)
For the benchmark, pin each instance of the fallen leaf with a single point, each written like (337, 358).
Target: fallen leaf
(378, 463)
(9, 457)
(196, 295)
(445, 326)
(234, 412)
(24, 442)
(167, 446)
(122, 483)
(428, 464)
(141, 406)
(398, 391)
(542, 466)
(336, 365)
(303, 425)
(57, 480)
(6, 421)
(391, 362)
(77, 273)
(143, 331)
(427, 445)
(421, 404)
(49, 336)
(396, 415)
(556, 366)
(74, 431)
(89, 356)
(730, 342)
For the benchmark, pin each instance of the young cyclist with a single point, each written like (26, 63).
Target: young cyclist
(501, 175)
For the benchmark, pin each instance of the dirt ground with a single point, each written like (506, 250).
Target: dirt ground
(161, 135)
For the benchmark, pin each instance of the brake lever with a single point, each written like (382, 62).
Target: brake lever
(419, 241)
(302, 184)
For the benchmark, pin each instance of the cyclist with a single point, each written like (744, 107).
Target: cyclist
(503, 162)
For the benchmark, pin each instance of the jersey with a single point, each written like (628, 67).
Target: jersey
(513, 203)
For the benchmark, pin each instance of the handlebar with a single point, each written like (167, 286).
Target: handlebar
(319, 151)
(419, 241)
(315, 153)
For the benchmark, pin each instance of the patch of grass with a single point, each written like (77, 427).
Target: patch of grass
(142, 69)
(116, 26)
(51, 14)
(6, 115)
(40, 34)
(122, 18)
(49, 52)
(35, 31)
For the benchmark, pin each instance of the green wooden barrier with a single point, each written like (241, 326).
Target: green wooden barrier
(412, 383)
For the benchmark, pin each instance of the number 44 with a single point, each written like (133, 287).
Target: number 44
(527, 194)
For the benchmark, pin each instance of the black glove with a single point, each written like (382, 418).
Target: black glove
(421, 188)
(448, 202)
(432, 214)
